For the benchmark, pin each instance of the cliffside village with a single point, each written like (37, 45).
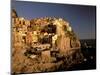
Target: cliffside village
(45, 37)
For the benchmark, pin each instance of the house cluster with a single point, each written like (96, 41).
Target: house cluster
(43, 34)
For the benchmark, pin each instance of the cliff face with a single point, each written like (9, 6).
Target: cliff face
(43, 45)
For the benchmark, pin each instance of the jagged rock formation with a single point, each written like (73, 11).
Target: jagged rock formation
(14, 14)
(43, 45)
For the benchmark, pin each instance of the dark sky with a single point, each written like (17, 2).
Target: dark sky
(82, 18)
